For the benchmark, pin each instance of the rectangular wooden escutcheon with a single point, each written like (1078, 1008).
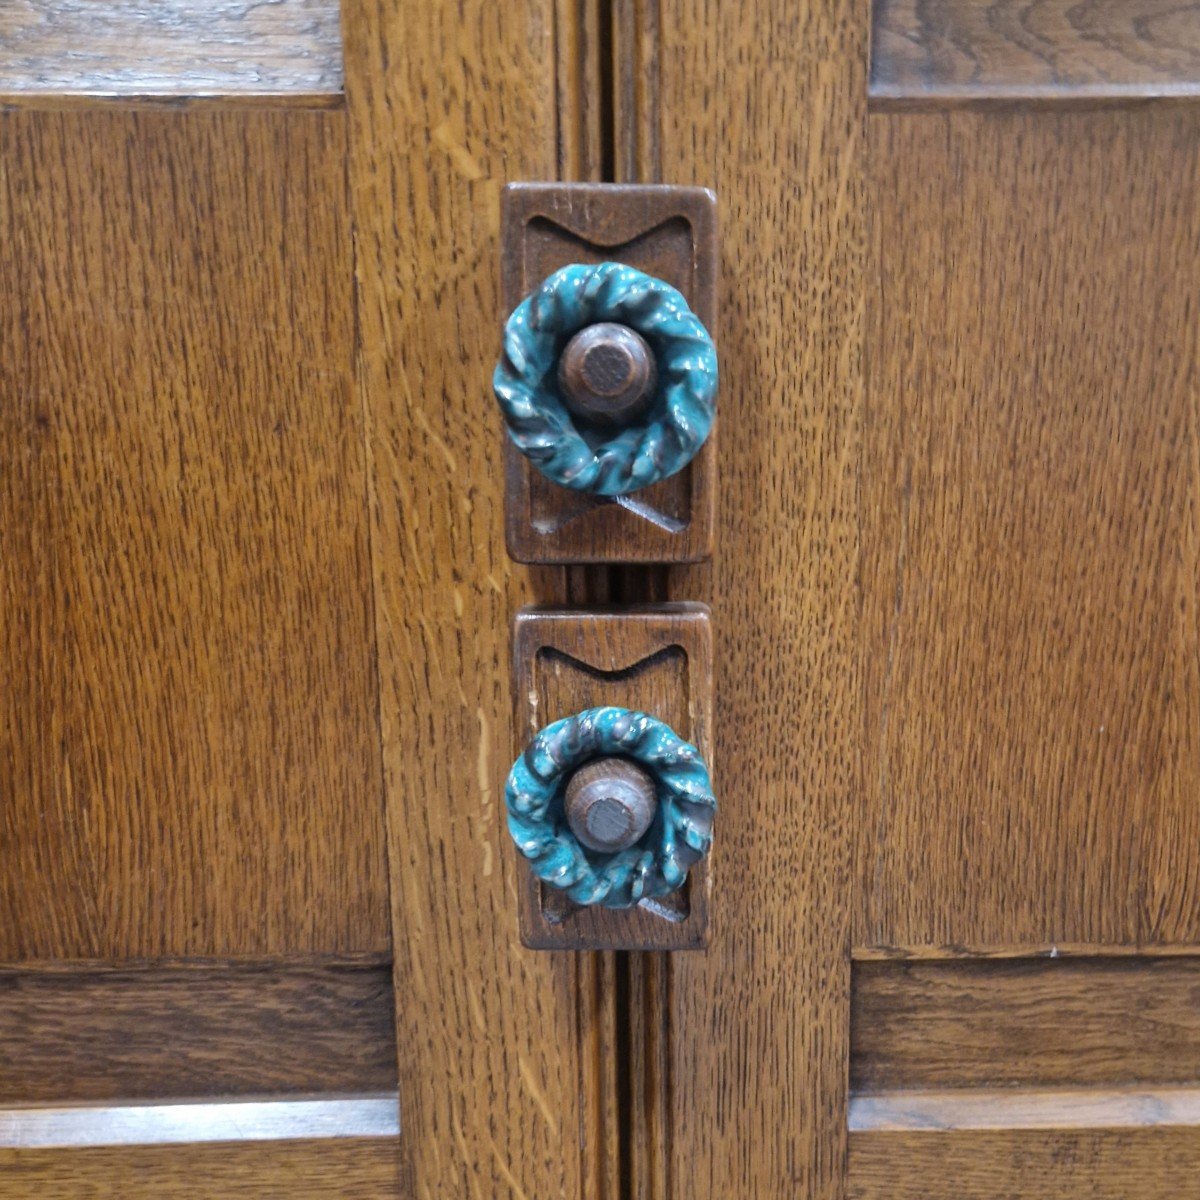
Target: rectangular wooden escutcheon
(669, 232)
(654, 659)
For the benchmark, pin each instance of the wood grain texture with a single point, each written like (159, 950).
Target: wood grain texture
(288, 49)
(1045, 1023)
(1031, 551)
(582, 53)
(161, 1033)
(637, 35)
(1151, 1164)
(766, 104)
(446, 103)
(654, 659)
(352, 1169)
(189, 749)
(670, 233)
(927, 52)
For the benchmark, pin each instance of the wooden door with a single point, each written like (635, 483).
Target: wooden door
(196, 995)
(1025, 914)
(257, 609)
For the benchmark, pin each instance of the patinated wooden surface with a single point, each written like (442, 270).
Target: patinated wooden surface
(1149, 1164)
(1029, 580)
(656, 660)
(1057, 1073)
(189, 749)
(931, 52)
(987, 591)
(637, 33)
(282, 51)
(672, 235)
(189, 744)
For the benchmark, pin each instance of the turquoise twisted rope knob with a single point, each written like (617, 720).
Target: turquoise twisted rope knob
(608, 380)
(611, 807)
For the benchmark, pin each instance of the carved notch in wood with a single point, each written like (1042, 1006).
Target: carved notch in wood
(668, 232)
(656, 659)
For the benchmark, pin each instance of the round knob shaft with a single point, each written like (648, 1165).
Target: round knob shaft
(610, 803)
(607, 373)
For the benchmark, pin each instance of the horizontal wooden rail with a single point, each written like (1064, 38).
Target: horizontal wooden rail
(350, 1168)
(1055, 1078)
(166, 1032)
(287, 49)
(937, 52)
(1045, 1023)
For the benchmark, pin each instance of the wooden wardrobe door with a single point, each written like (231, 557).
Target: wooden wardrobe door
(1026, 911)
(194, 930)
(257, 607)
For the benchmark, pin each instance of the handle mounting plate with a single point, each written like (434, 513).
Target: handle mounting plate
(655, 659)
(666, 231)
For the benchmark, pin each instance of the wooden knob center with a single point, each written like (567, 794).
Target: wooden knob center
(610, 803)
(607, 373)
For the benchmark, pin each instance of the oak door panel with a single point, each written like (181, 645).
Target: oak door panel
(937, 52)
(1046, 1023)
(189, 754)
(185, 1031)
(1030, 568)
(287, 51)
(1030, 549)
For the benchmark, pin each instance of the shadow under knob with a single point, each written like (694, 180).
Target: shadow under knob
(610, 803)
(607, 373)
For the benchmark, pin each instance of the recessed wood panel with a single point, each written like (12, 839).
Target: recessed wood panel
(927, 52)
(195, 1030)
(286, 49)
(189, 752)
(1030, 549)
(1047, 1078)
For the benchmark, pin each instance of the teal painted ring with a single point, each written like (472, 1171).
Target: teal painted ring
(657, 865)
(665, 438)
